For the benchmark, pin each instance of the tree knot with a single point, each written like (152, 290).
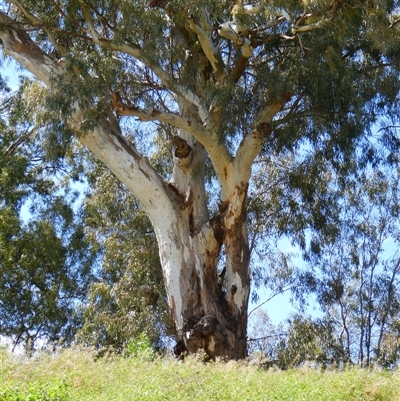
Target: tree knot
(233, 289)
(182, 148)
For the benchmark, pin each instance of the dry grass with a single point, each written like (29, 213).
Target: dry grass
(75, 375)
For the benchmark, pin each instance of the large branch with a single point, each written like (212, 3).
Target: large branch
(239, 69)
(179, 90)
(306, 28)
(38, 22)
(204, 134)
(109, 146)
(19, 46)
(174, 119)
(210, 50)
(131, 168)
(252, 143)
(11, 149)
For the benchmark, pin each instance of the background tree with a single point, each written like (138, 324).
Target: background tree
(264, 338)
(45, 258)
(357, 272)
(127, 298)
(298, 340)
(225, 84)
(389, 351)
(308, 340)
(63, 269)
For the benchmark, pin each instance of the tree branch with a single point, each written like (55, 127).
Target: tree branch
(107, 144)
(130, 167)
(92, 30)
(252, 143)
(170, 84)
(139, 54)
(306, 28)
(394, 23)
(19, 46)
(217, 150)
(211, 51)
(239, 69)
(151, 115)
(273, 295)
(35, 20)
(11, 149)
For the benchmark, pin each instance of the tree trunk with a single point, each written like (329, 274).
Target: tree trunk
(209, 312)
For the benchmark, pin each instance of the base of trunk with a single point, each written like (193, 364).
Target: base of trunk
(215, 340)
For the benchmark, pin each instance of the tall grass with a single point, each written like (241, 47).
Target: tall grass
(74, 374)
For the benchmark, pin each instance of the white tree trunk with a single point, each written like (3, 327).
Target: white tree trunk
(207, 315)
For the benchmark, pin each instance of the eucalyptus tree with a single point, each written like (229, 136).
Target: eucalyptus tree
(358, 272)
(225, 83)
(311, 341)
(45, 258)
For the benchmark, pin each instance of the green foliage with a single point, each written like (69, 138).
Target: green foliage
(48, 263)
(263, 339)
(309, 341)
(57, 391)
(301, 341)
(45, 259)
(356, 277)
(141, 348)
(340, 69)
(389, 350)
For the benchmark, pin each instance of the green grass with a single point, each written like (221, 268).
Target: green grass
(75, 375)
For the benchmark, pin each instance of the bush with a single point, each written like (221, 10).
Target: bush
(141, 348)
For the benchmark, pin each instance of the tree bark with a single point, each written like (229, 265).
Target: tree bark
(204, 311)
(209, 312)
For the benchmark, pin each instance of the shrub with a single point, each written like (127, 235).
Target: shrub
(141, 348)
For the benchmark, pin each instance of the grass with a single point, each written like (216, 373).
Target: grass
(75, 375)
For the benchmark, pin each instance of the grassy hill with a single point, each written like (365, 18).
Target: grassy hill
(76, 375)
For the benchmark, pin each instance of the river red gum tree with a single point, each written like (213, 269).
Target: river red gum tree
(194, 70)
